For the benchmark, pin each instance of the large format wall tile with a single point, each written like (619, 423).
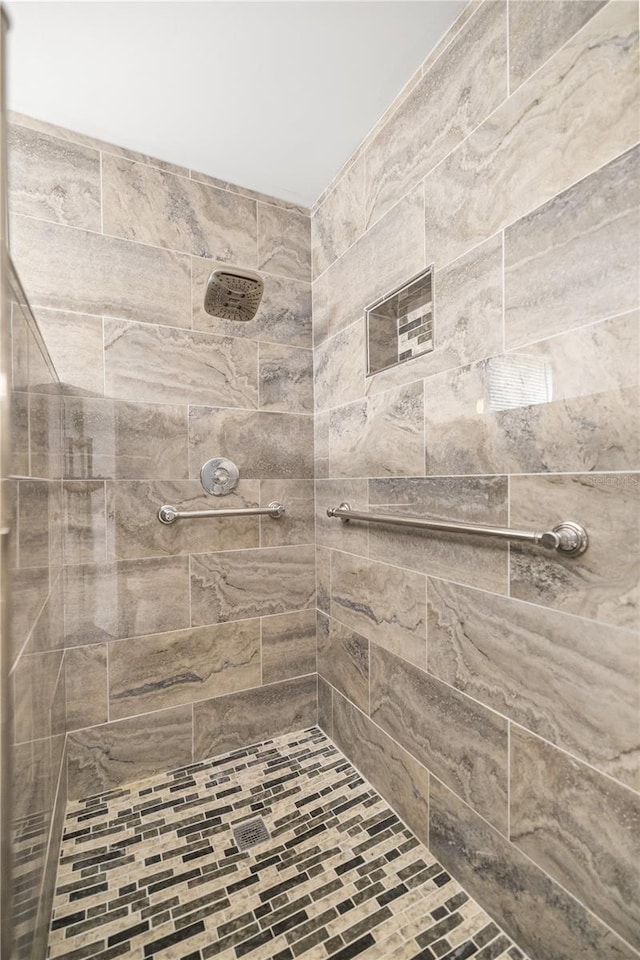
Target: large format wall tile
(325, 706)
(570, 681)
(86, 686)
(533, 146)
(297, 524)
(603, 582)
(251, 583)
(89, 273)
(352, 537)
(53, 179)
(75, 343)
(285, 378)
(168, 669)
(144, 203)
(339, 367)
(465, 84)
(339, 221)
(106, 756)
(383, 603)
(284, 242)
(574, 259)
(579, 826)
(84, 527)
(343, 660)
(168, 365)
(544, 920)
(288, 645)
(458, 740)
(151, 440)
(240, 719)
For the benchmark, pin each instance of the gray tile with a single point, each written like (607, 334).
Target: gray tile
(602, 583)
(579, 826)
(572, 682)
(151, 441)
(86, 686)
(75, 344)
(237, 720)
(251, 583)
(34, 520)
(352, 537)
(101, 758)
(85, 525)
(144, 203)
(169, 669)
(461, 742)
(169, 365)
(285, 378)
(340, 219)
(321, 445)
(573, 260)
(288, 645)
(323, 579)
(339, 367)
(284, 242)
(325, 706)
(297, 524)
(343, 660)
(33, 683)
(89, 438)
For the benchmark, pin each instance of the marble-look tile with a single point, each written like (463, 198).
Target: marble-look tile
(169, 365)
(90, 438)
(33, 684)
(297, 525)
(394, 773)
(247, 192)
(352, 537)
(103, 757)
(89, 273)
(538, 28)
(491, 179)
(320, 300)
(325, 707)
(285, 378)
(458, 740)
(546, 922)
(126, 599)
(339, 366)
(284, 242)
(379, 437)
(284, 314)
(169, 669)
(144, 203)
(580, 827)
(602, 583)
(477, 562)
(240, 719)
(572, 682)
(288, 645)
(45, 436)
(251, 583)
(339, 220)
(343, 660)
(53, 179)
(85, 525)
(34, 501)
(465, 84)
(151, 441)
(86, 686)
(323, 579)
(75, 344)
(135, 530)
(48, 628)
(19, 430)
(264, 445)
(573, 259)
(383, 603)
(321, 445)
(535, 409)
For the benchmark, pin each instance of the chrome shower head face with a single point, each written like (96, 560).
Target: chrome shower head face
(233, 294)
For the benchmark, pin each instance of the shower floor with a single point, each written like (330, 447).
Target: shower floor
(153, 870)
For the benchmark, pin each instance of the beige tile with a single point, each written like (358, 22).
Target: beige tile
(169, 669)
(297, 524)
(288, 645)
(579, 111)
(572, 682)
(579, 826)
(285, 378)
(85, 526)
(247, 192)
(340, 367)
(144, 203)
(320, 300)
(86, 686)
(74, 342)
(340, 220)
(343, 660)
(321, 445)
(325, 706)
(352, 537)
(284, 242)
(602, 583)
(34, 683)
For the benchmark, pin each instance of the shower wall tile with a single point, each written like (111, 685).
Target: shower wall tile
(343, 660)
(339, 362)
(285, 378)
(53, 179)
(321, 445)
(240, 719)
(571, 681)
(150, 205)
(34, 683)
(169, 669)
(284, 242)
(75, 344)
(85, 526)
(602, 583)
(490, 180)
(35, 503)
(461, 742)
(297, 524)
(323, 579)
(574, 259)
(340, 220)
(251, 583)
(85, 670)
(104, 757)
(151, 441)
(325, 707)
(288, 645)
(168, 365)
(465, 84)
(579, 826)
(85, 272)
(351, 537)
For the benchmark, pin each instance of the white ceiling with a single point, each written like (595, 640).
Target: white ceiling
(270, 95)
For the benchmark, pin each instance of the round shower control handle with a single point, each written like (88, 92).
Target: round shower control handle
(219, 476)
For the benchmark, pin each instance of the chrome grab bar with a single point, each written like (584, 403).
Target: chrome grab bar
(568, 537)
(169, 514)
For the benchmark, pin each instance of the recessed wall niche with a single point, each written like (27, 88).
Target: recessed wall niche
(400, 324)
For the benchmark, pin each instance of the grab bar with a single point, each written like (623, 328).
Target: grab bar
(568, 537)
(169, 514)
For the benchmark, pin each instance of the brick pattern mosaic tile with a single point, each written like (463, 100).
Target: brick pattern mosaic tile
(153, 870)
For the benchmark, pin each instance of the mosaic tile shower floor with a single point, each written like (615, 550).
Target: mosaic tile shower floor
(153, 871)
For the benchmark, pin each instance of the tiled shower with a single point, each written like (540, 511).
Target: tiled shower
(441, 732)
